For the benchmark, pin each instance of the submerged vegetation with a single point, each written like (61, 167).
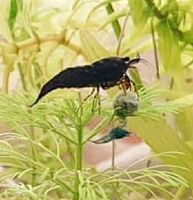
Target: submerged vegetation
(42, 149)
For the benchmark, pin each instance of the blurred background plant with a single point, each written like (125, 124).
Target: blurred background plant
(43, 149)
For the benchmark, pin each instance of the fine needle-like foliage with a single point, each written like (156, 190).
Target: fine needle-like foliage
(35, 165)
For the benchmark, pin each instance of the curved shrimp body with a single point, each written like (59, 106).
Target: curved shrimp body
(104, 73)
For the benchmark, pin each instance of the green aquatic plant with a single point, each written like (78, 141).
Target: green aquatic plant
(36, 43)
(34, 148)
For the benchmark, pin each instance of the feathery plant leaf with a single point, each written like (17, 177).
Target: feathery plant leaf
(50, 172)
(153, 106)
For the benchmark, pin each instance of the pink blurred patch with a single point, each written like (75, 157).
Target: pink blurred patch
(127, 151)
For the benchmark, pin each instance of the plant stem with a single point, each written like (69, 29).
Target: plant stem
(78, 166)
(33, 152)
(79, 152)
(180, 193)
(122, 34)
(22, 76)
(34, 157)
(115, 24)
(51, 38)
(155, 50)
(113, 155)
(171, 83)
(6, 80)
(113, 167)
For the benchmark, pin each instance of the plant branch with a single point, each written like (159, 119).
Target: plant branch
(51, 38)
(122, 34)
(79, 151)
(6, 75)
(155, 50)
(57, 181)
(180, 193)
(21, 73)
(33, 154)
(115, 23)
(65, 137)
